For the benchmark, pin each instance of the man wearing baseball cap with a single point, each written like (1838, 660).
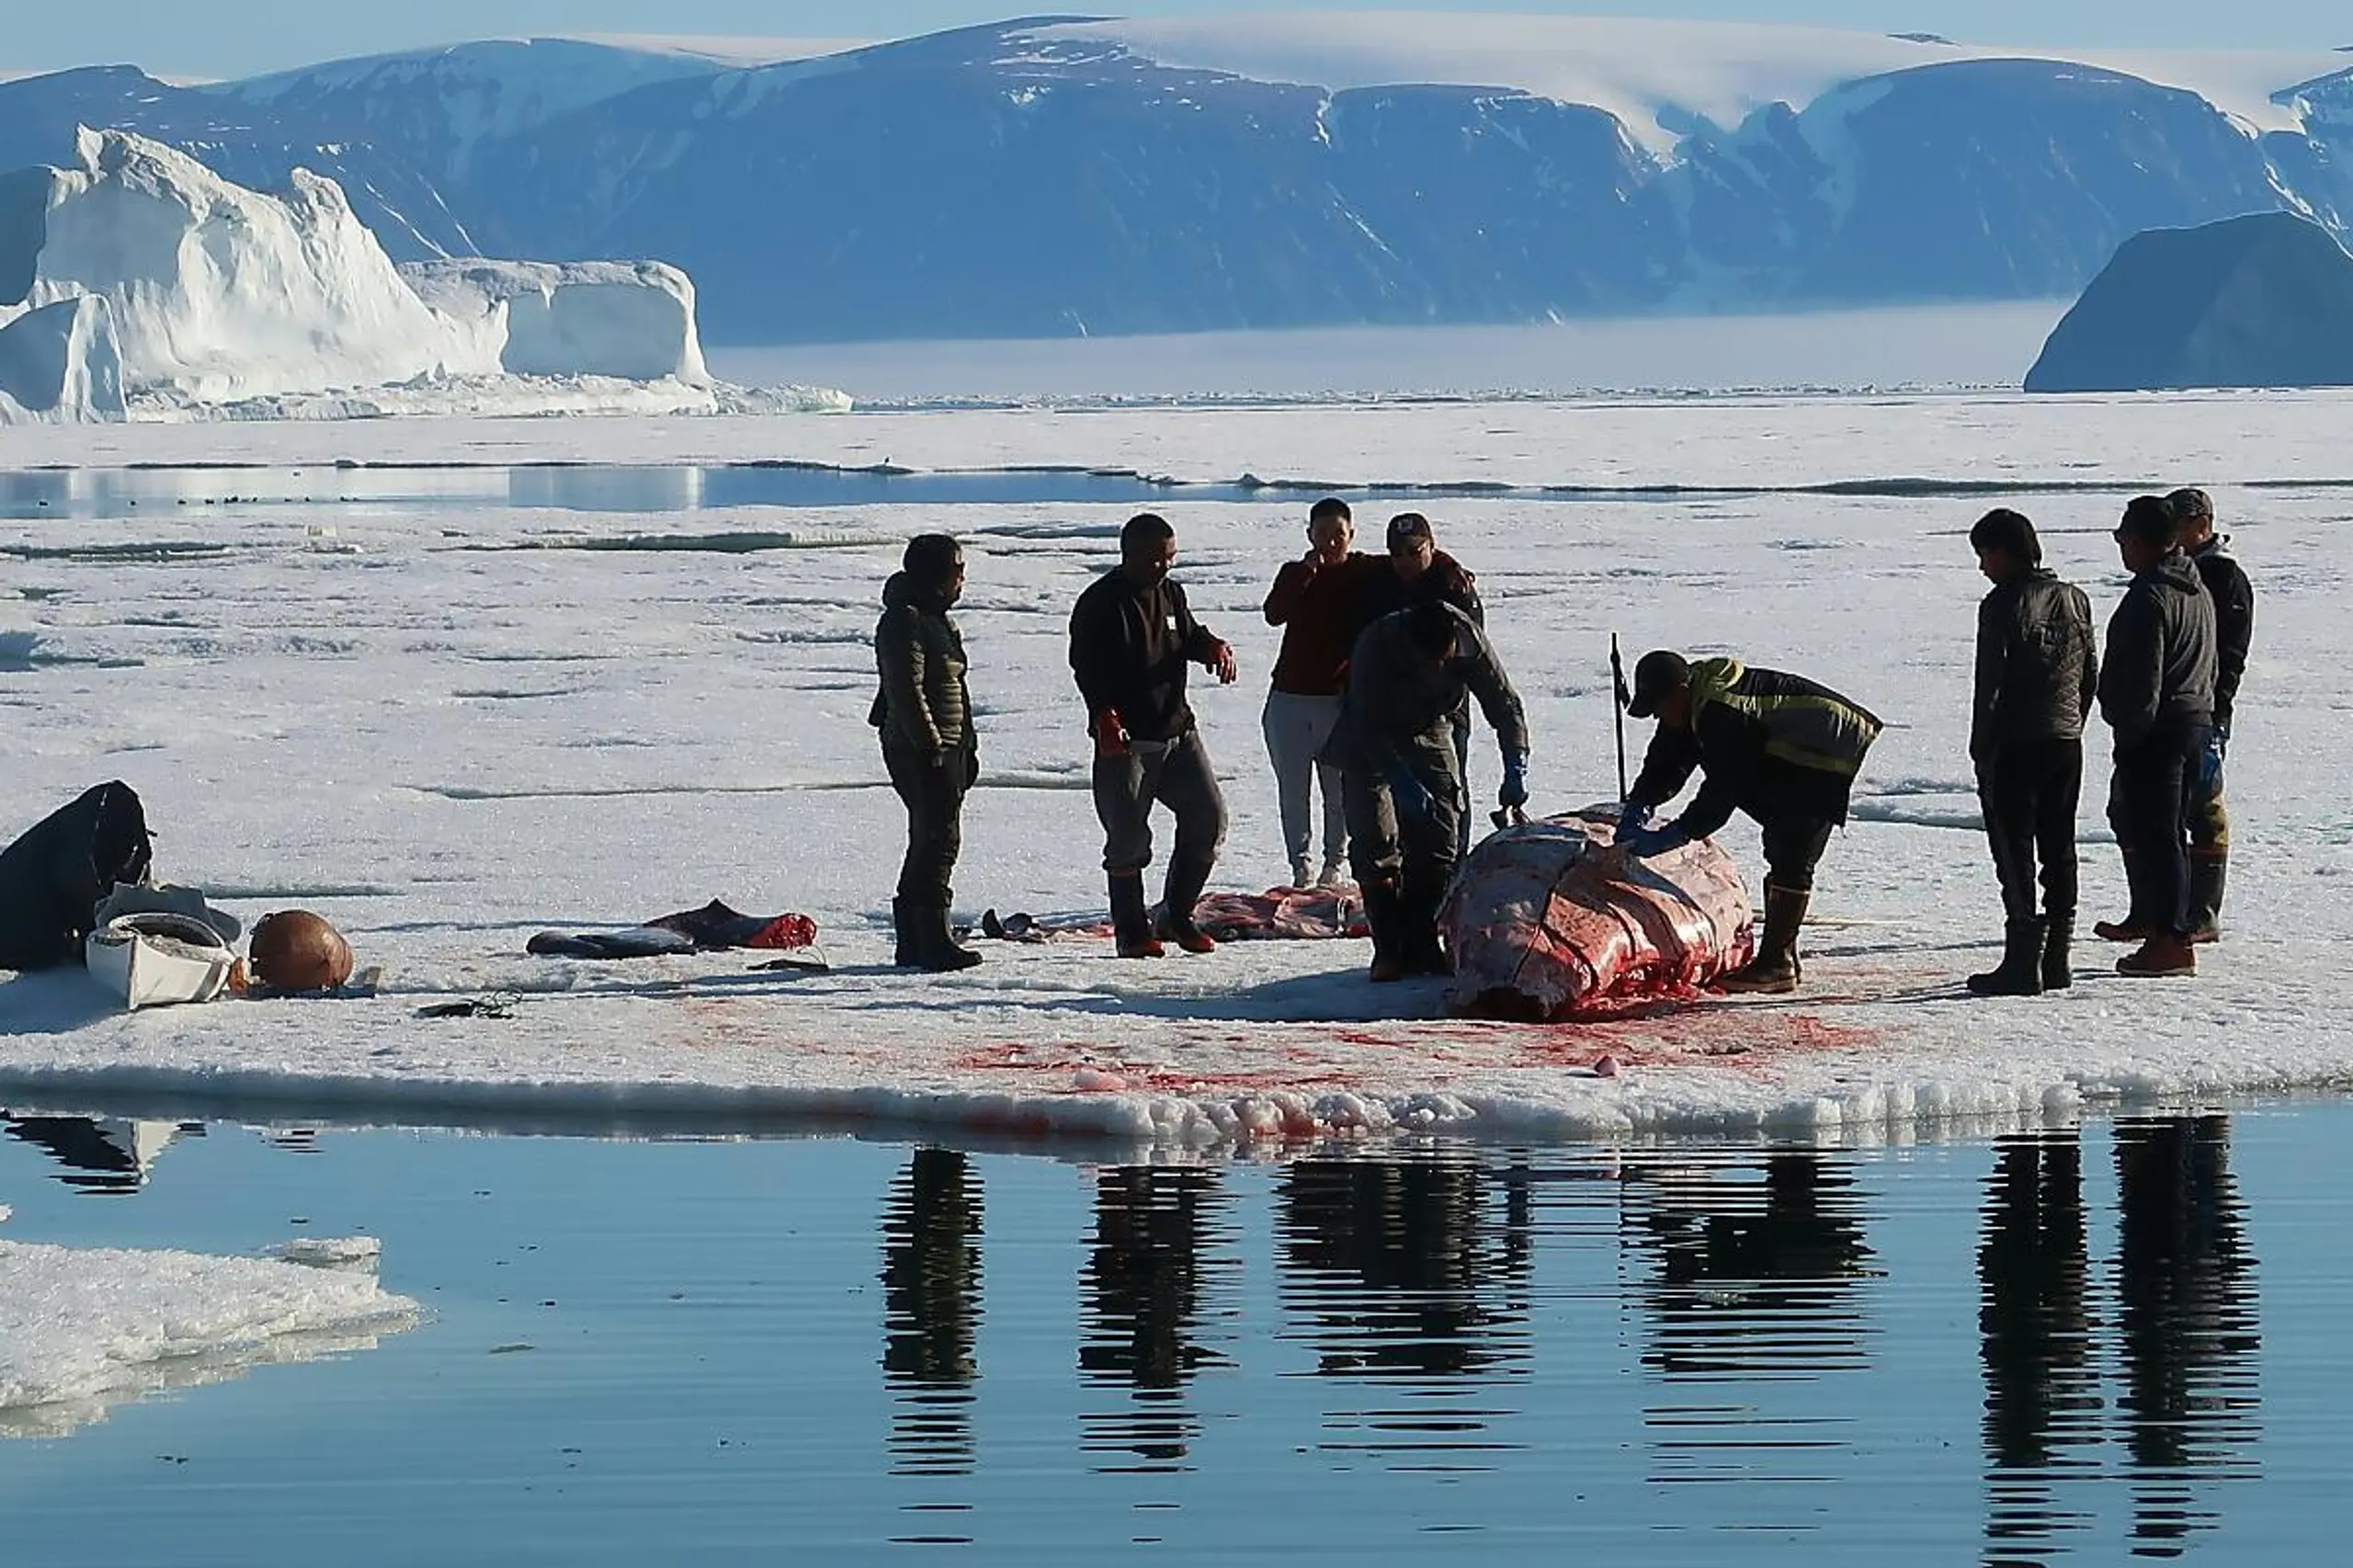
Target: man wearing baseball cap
(1420, 573)
(1780, 747)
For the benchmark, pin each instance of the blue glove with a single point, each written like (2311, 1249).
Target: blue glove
(1634, 818)
(1515, 791)
(1642, 842)
(2209, 762)
(1415, 801)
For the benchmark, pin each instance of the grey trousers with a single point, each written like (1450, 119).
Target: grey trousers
(1175, 774)
(1297, 727)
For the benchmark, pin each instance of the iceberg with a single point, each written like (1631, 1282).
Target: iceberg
(59, 364)
(631, 319)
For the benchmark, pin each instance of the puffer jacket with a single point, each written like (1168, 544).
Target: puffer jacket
(1770, 743)
(924, 705)
(2159, 672)
(2037, 672)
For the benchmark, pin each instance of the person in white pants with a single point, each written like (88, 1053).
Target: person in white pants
(1316, 600)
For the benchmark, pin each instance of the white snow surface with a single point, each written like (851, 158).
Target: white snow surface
(1660, 78)
(629, 321)
(82, 1329)
(59, 364)
(454, 727)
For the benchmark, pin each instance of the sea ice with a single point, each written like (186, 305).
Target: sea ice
(82, 1328)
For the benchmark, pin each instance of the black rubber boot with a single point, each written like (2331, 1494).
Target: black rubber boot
(2020, 973)
(1775, 971)
(1419, 901)
(1385, 915)
(1131, 922)
(2210, 875)
(903, 916)
(936, 947)
(2058, 936)
(1186, 880)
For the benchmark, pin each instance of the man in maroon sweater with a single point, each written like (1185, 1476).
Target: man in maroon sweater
(1317, 601)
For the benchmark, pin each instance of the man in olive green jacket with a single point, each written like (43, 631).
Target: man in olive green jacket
(1780, 747)
(924, 712)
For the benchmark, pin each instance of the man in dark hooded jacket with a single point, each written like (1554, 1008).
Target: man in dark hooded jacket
(929, 746)
(2037, 675)
(2233, 595)
(1778, 746)
(1407, 676)
(2157, 691)
(1420, 573)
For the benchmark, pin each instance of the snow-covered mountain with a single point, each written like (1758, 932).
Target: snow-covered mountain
(1063, 174)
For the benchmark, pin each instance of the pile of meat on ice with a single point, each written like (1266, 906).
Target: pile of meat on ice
(1545, 922)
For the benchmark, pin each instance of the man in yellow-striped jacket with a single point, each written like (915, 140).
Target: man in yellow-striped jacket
(1780, 747)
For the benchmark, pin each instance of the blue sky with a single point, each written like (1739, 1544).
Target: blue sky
(226, 38)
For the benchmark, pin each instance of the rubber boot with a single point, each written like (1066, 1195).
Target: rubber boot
(1131, 924)
(1186, 880)
(2209, 875)
(2020, 973)
(936, 947)
(1384, 914)
(2162, 955)
(903, 926)
(2058, 936)
(1775, 971)
(1419, 901)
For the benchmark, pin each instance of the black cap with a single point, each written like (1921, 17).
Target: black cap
(2150, 519)
(1408, 525)
(1657, 673)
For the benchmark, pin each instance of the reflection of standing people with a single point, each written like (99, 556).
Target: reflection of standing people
(1143, 1287)
(2233, 597)
(2187, 1320)
(2042, 1387)
(931, 1288)
(2035, 678)
(1315, 601)
(1409, 676)
(1132, 637)
(2157, 691)
(1420, 573)
(929, 746)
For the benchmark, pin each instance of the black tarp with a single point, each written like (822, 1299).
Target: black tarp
(52, 878)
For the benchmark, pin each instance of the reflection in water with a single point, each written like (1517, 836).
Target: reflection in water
(2187, 1320)
(1754, 1284)
(931, 1305)
(1143, 1287)
(2042, 1390)
(100, 1155)
(1402, 1272)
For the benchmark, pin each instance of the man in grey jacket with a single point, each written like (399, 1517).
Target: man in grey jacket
(1407, 676)
(2036, 678)
(2157, 691)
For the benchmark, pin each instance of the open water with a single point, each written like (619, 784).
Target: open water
(2092, 1347)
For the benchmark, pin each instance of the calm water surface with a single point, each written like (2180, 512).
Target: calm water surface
(2121, 1343)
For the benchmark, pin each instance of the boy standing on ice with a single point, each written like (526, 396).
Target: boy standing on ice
(2210, 820)
(2157, 691)
(2036, 675)
(1315, 601)
(1778, 746)
(1408, 674)
(1132, 637)
(925, 711)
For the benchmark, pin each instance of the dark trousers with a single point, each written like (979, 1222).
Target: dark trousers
(1175, 774)
(935, 802)
(2147, 806)
(2030, 791)
(1794, 841)
(1386, 845)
